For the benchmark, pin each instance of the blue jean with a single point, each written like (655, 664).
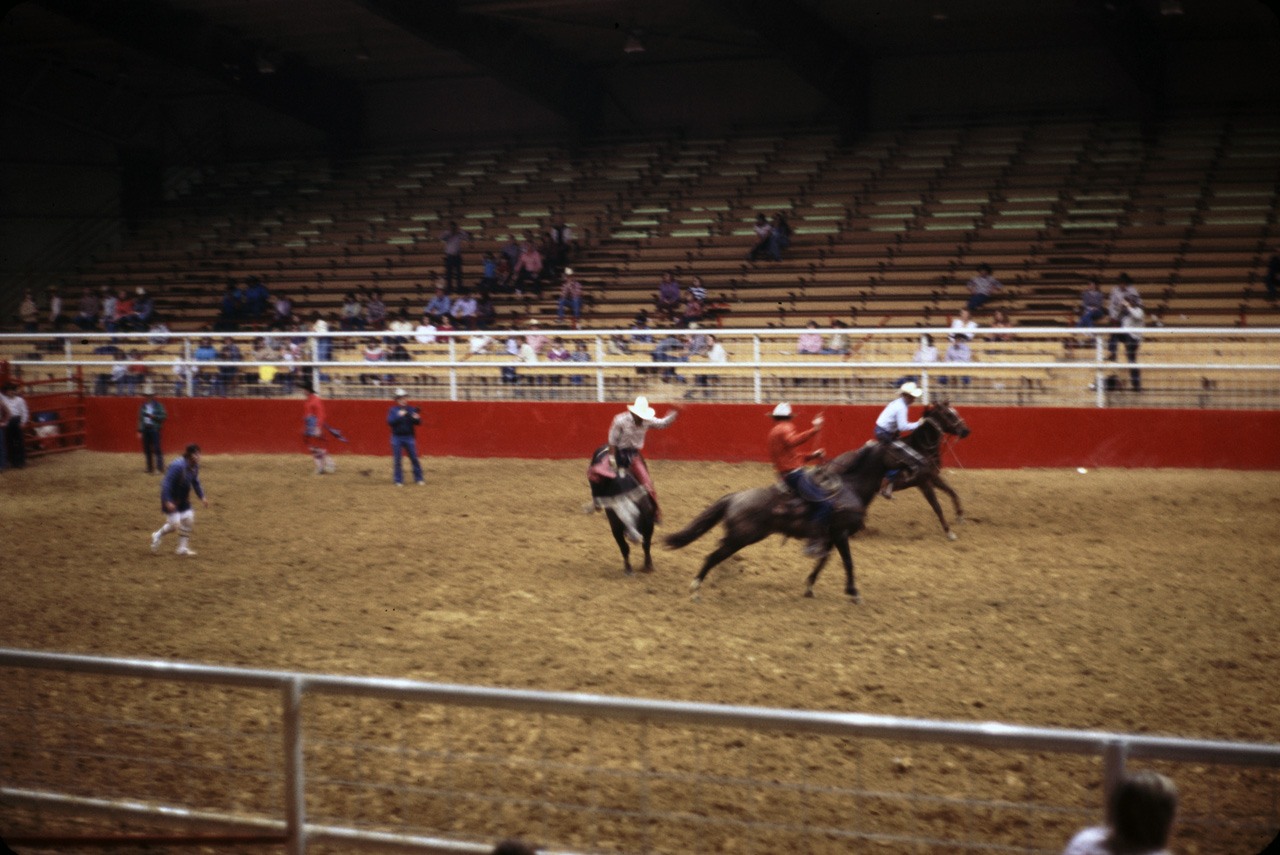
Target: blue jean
(574, 303)
(977, 301)
(151, 449)
(401, 445)
(798, 480)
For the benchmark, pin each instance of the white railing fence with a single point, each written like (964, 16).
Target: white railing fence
(402, 765)
(1197, 368)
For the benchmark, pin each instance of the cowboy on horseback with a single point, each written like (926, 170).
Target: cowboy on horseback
(890, 424)
(785, 440)
(626, 439)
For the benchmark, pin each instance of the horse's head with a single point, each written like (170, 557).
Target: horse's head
(947, 419)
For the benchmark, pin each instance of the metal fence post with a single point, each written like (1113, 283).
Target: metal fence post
(1099, 380)
(295, 784)
(1114, 757)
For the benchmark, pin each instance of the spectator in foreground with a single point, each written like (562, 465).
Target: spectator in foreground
(1140, 816)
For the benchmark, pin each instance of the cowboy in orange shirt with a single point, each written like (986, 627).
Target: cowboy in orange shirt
(784, 450)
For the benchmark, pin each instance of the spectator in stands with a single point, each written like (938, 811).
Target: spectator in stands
(535, 338)
(1273, 275)
(667, 301)
(698, 344)
(559, 245)
(643, 329)
(464, 310)
(124, 309)
(352, 314)
(486, 313)
(87, 311)
(714, 354)
(29, 312)
(810, 341)
(1124, 290)
(281, 312)
(528, 270)
(926, 354)
(425, 331)
(558, 352)
(117, 378)
(1091, 301)
(1000, 321)
(143, 310)
(228, 375)
(321, 344)
(446, 324)
(439, 305)
(229, 309)
(958, 350)
(779, 237)
(570, 296)
(1140, 815)
(1132, 320)
(502, 274)
(400, 327)
(108, 306)
(580, 353)
(184, 378)
(375, 311)
(256, 298)
(672, 348)
(693, 309)
(488, 282)
(14, 426)
(837, 344)
(764, 232)
(982, 287)
(56, 318)
(697, 291)
(138, 371)
(4, 427)
(374, 353)
(453, 240)
(206, 352)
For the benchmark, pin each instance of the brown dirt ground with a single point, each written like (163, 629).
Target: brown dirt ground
(1123, 600)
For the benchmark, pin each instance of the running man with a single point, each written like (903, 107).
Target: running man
(182, 476)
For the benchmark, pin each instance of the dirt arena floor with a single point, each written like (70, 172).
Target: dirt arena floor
(1124, 600)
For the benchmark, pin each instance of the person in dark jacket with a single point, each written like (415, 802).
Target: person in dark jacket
(404, 421)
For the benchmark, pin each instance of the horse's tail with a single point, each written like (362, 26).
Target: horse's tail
(701, 524)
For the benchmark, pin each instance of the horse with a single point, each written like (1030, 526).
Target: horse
(938, 420)
(627, 504)
(750, 516)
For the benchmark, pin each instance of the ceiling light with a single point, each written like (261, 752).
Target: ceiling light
(633, 43)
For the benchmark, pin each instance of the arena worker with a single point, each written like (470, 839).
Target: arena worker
(182, 476)
(313, 426)
(626, 440)
(404, 420)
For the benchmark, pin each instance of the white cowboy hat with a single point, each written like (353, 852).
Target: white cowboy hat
(910, 388)
(401, 393)
(642, 409)
(782, 411)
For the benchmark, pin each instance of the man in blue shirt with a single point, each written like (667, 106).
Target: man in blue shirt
(403, 420)
(182, 476)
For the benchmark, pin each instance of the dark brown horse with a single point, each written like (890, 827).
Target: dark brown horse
(626, 503)
(939, 420)
(750, 516)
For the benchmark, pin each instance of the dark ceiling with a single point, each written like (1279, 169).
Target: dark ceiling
(110, 66)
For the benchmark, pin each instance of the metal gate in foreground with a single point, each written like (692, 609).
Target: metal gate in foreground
(396, 765)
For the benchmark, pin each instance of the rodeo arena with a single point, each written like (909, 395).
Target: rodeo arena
(640, 427)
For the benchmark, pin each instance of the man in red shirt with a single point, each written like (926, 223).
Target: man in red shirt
(314, 424)
(788, 459)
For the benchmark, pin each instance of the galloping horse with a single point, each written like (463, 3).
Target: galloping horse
(750, 516)
(938, 420)
(626, 503)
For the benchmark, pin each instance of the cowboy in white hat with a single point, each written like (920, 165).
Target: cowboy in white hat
(785, 440)
(891, 422)
(626, 439)
(403, 419)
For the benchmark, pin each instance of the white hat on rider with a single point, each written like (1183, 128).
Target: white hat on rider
(401, 393)
(910, 388)
(642, 409)
(782, 411)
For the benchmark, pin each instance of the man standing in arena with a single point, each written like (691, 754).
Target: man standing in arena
(182, 476)
(313, 427)
(404, 420)
(151, 416)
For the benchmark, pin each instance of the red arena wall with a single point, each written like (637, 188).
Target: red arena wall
(1001, 439)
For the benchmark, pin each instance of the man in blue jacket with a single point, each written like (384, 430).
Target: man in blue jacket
(404, 420)
(182, 476)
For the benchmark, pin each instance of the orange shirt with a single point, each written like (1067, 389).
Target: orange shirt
(784, 446)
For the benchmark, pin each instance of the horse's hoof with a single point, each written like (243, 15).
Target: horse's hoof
(648, 568)
(695, 585)
(853, 594)
(808, 592)
(629, 572)
(958, 521)
(951, 535)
